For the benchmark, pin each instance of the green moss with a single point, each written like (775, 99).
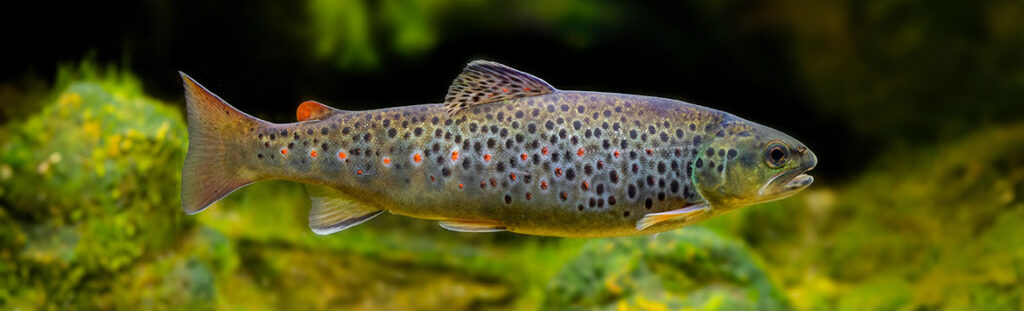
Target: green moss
(89, 178)
(689, 268)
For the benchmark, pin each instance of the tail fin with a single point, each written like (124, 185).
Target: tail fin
(208, 175)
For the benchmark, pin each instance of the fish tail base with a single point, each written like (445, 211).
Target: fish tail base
(208, 173)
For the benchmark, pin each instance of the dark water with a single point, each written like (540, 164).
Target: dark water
(912, 108)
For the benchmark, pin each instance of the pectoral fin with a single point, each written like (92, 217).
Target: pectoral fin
(334, 210)
(472, 225)
(679, 214)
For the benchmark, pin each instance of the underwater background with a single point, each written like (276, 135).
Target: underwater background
(914, 108)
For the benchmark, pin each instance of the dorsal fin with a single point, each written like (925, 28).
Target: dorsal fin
(313, 110)
(484, 82)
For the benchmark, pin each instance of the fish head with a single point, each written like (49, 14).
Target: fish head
(748, 163)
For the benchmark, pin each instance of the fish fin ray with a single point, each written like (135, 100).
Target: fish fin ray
(683, 213)
(313, 110)
(334, 210)
(207, 175)
(462, 225)
(484, 82)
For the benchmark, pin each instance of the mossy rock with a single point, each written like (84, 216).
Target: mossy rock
(92, 182)
(689, 268)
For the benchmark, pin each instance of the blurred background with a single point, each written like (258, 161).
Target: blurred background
(914, 108)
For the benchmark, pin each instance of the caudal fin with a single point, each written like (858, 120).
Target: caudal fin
(208, 174)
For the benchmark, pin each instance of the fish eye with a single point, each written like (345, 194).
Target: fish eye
(776, 154)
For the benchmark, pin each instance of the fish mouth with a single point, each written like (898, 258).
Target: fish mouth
(799, 182)
(786, 184)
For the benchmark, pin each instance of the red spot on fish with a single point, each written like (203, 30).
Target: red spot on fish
(580, 152)
(487, 157)
(558, 172)
(432, 178)
(512, 176)
(585, 185)
(564, 195)
(524, 156)
(543, 185)
(529, 196)
(417, 158)
(455, 155)
(526, 88)
(284, 151)
(342, 155)
(386, 161)
(312, 153)
(504, 90)
(494, 182)
(650, 152)
(360, 172)
(460, 186)
(483, 184)
(544, 150)
(617, 154)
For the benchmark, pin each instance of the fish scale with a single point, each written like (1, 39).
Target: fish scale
(513, 154)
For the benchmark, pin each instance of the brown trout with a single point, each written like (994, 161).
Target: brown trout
(506, 151)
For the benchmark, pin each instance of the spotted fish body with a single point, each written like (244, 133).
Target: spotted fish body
(532, 160)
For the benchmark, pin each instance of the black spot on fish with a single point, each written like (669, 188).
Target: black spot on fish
(648, 203)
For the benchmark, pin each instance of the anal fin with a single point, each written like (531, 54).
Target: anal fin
(335, 210)
(462, 225)
(679, 214)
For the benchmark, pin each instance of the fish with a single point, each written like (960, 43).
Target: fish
(504, 151)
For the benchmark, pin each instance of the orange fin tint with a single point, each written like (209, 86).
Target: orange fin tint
(472, 225)
(312, 110)
(679, 214)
